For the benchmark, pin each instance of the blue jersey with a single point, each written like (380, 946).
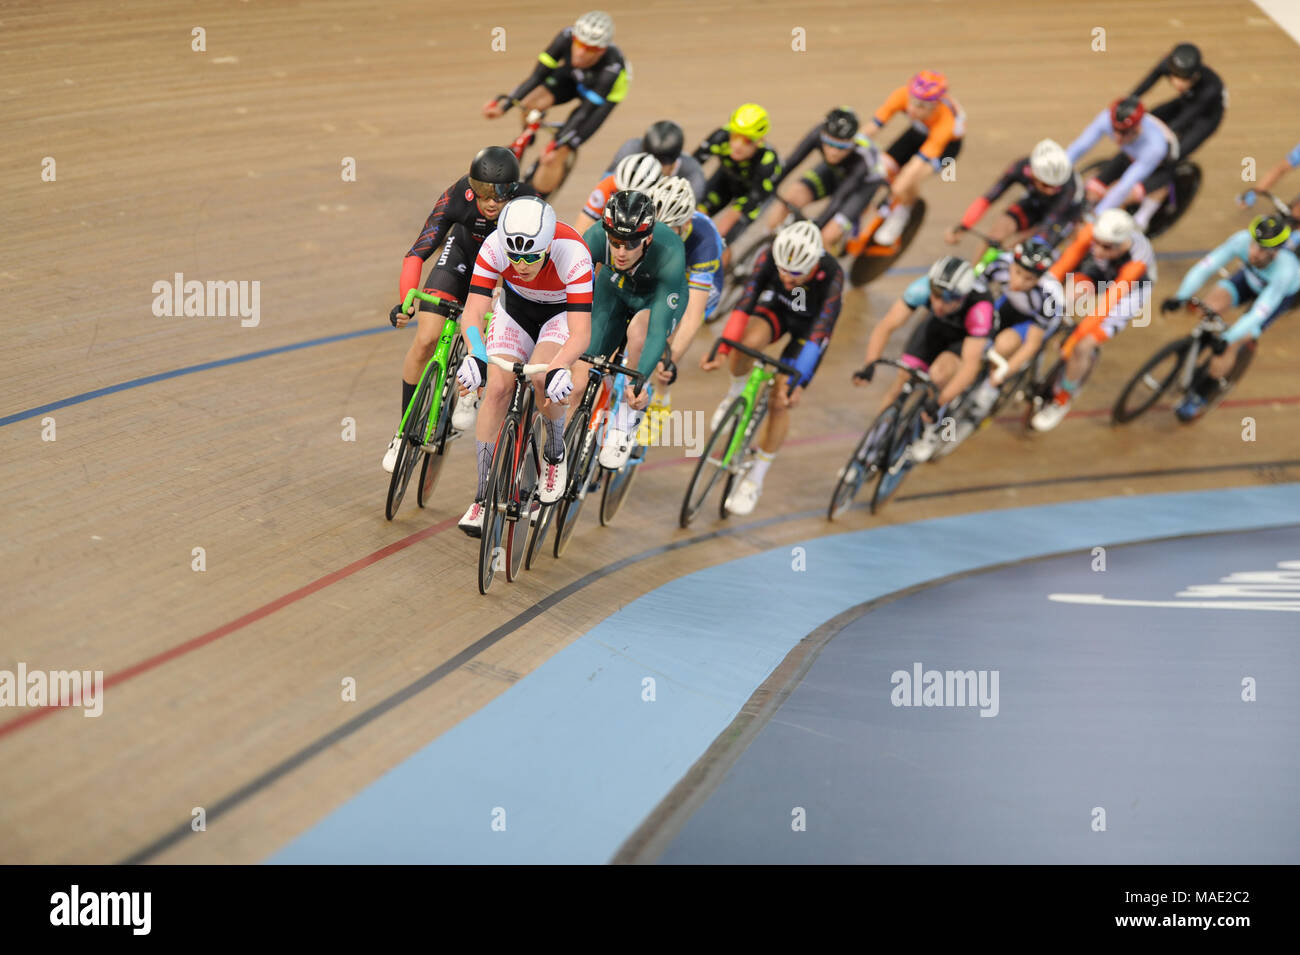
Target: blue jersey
(704, 259)
(1272, 284)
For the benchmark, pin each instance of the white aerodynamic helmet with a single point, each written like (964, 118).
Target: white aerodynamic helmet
(1050, 164)
(595, 28)
(638, 171)
(527, 225)
(1113, 227)
(798, 247)
(674, 201)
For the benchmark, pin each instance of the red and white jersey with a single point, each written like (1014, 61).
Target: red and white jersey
(566, 277)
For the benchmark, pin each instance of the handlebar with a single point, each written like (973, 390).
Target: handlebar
(916, 373)
(455, 307)
(1209, 315)
(601, 365)
(758, 356)
(1282, 207)
(517, 368)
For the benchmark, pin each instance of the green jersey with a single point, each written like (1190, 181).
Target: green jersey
(657, 282)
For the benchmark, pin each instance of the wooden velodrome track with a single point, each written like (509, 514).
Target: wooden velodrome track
(225, 165)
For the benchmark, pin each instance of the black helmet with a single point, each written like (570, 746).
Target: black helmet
(1035, 254)
(494, 166)
(663, 140)
(841, 123)
(1185, 61)
(629, 215)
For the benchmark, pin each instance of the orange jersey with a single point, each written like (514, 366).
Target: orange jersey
(1137, 265)
(595, 206)
(946, 123)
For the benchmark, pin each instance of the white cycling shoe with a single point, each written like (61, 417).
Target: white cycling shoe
(743, 498)
(472, 522)
(553, 481)
(390, 456)
(923, 448)
(617, 448)
(465, 414)
(1050, 416)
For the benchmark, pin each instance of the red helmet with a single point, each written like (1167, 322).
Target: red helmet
(1126, 114)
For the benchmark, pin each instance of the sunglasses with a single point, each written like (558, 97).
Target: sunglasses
(525, 258)
(630, 245)
(835, 143)
(493, 190)
(588, 47)
(948, 296)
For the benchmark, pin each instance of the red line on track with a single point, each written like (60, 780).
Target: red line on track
(344, 572)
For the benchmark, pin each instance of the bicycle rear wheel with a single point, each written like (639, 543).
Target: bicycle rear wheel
(875, 260)
(412, 446)
(490, 553)
(1151, 381)
(709, 468)
(863, 463)
(898, 462)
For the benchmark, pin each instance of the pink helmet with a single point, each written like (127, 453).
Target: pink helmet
(927, 85)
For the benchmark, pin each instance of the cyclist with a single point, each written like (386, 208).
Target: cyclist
(1142, 169)
(675, 209)
(543, 316)
(640, 293)
(747, 170)
(1269, 278)
(849, 170)
(949, 342)
(461, 219)
(1115, 262)
(1271, 178)
(664, 140)
(580, 63)
(795, 288)
(639, 171)
(937, 126)
(1196, 112)
(1027, 311)
(1053, 197)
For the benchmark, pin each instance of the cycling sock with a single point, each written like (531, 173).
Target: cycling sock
(408, 391)
(985, 392)
(484, 465)
(554, 440)
(763, 461)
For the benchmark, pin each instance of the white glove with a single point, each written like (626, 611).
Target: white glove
(559, 384)
(470, 373)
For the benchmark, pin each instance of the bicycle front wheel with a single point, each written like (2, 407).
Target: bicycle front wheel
(710, 466)
(863, 463)
(617, 484)
(897, 462)
(523, 485)
(431, 469)
(412, 446)
(491, 556)
(580, 451)
(1151, 381)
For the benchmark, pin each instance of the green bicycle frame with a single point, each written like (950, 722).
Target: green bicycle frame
(759, 376)
(440, 358)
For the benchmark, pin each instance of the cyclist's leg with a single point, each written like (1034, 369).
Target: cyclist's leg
(513, 339)
(1153, 192)
(550, 340)
(1102, 179)
(792, 195)
(906, 189)
(757, 331)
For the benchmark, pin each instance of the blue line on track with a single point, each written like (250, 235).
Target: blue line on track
(328, 339)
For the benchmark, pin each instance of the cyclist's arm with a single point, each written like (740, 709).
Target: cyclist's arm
(598, 101)
(547, 60)
(1152, 150)
(1272, 177)
(429, 239)
(762, 184)
(941, 134)
(697, 300)
(915, 295)
(1090, 136)
(1216, 259)
(665, 310)
(975, 211)
(1284, 279)
(819, 337)
(715, 144)
(578, 304)
(1116, 292)
(1161, 69)
(1202, 105)
(488, 266)
(739, 317)
(801, 152)
(895, 102)
(1073, 254)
